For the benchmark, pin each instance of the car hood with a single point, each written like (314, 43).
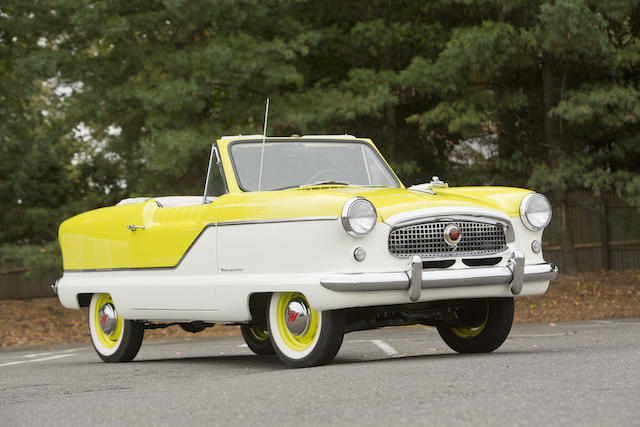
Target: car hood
(324, 201)
(397, 201)
(394, 201)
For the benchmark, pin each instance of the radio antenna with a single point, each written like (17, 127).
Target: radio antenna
(264, 137)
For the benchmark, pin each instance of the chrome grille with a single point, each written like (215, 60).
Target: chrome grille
(427, 239)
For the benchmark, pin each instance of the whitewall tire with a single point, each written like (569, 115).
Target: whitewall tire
(114, 338)
(300, 335)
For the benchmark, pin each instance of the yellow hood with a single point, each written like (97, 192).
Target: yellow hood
(392, 201)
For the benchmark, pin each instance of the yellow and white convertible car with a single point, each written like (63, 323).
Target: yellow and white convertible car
(300, 240)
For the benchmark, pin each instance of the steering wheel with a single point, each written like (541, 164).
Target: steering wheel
(318, 176)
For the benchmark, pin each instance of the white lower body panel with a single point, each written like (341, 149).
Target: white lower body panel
(225, 298)
(215, 285)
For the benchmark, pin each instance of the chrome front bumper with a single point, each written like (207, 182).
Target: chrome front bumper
(414, 279)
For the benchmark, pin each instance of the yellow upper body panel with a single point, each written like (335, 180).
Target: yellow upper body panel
(101, 239)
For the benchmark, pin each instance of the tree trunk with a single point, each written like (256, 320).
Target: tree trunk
(551, 94)
(604, 236)
(506, 129)
(388, 129)
(569, 258)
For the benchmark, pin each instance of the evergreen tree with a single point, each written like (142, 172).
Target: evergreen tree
(110, 99)
(555, 84)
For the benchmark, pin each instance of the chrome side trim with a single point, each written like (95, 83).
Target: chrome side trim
(436, 278)
(275, 221)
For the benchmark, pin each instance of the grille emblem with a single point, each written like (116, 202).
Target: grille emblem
(452, 235)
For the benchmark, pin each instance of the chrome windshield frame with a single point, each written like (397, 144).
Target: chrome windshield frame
(319, 140)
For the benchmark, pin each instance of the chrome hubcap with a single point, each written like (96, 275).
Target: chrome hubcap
(108, 318)
(297, 317)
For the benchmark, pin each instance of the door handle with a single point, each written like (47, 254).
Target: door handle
(135, 227)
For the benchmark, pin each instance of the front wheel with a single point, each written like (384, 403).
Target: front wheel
(301, 336)
(478, 326)
(257, 339)
(114, 338)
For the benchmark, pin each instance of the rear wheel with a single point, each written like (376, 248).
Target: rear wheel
(114, 338)
(478, 326)
(302, 336)
(257, 338)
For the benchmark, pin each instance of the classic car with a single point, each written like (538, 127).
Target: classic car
(300, 240)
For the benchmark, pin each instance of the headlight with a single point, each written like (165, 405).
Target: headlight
(359, 216)
(535, 211)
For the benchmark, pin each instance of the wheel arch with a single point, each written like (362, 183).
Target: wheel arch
(258, 303)
(84, 299)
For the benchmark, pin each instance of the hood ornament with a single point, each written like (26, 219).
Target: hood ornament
(429, 186)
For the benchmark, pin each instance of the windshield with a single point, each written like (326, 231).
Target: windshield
(308, 163)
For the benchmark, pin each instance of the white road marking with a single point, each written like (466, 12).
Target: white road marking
(28, 356)
(57, 356)
(243, 346)
(70, 350)
(562, 334)
(67, 353)
(405, 339)
(388, 350)
(15, 363)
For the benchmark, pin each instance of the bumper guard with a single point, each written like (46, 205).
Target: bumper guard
(414, 279)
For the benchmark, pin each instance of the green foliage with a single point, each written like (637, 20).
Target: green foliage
(38, 259)
(538, 93)
(556, 83)
(608, 107)
(570, 30)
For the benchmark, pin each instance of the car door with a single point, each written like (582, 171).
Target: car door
(174, 261)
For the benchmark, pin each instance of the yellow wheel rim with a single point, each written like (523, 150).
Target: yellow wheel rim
(471, 331)
(296, 342)
(259, 333)
(108, 341)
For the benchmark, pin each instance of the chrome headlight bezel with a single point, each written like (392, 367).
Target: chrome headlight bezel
(349, 223)
(526, 215)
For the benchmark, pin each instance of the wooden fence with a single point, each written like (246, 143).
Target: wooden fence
(17, 284)
(606, 233)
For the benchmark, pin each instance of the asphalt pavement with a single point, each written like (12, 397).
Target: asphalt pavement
(585, 373)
